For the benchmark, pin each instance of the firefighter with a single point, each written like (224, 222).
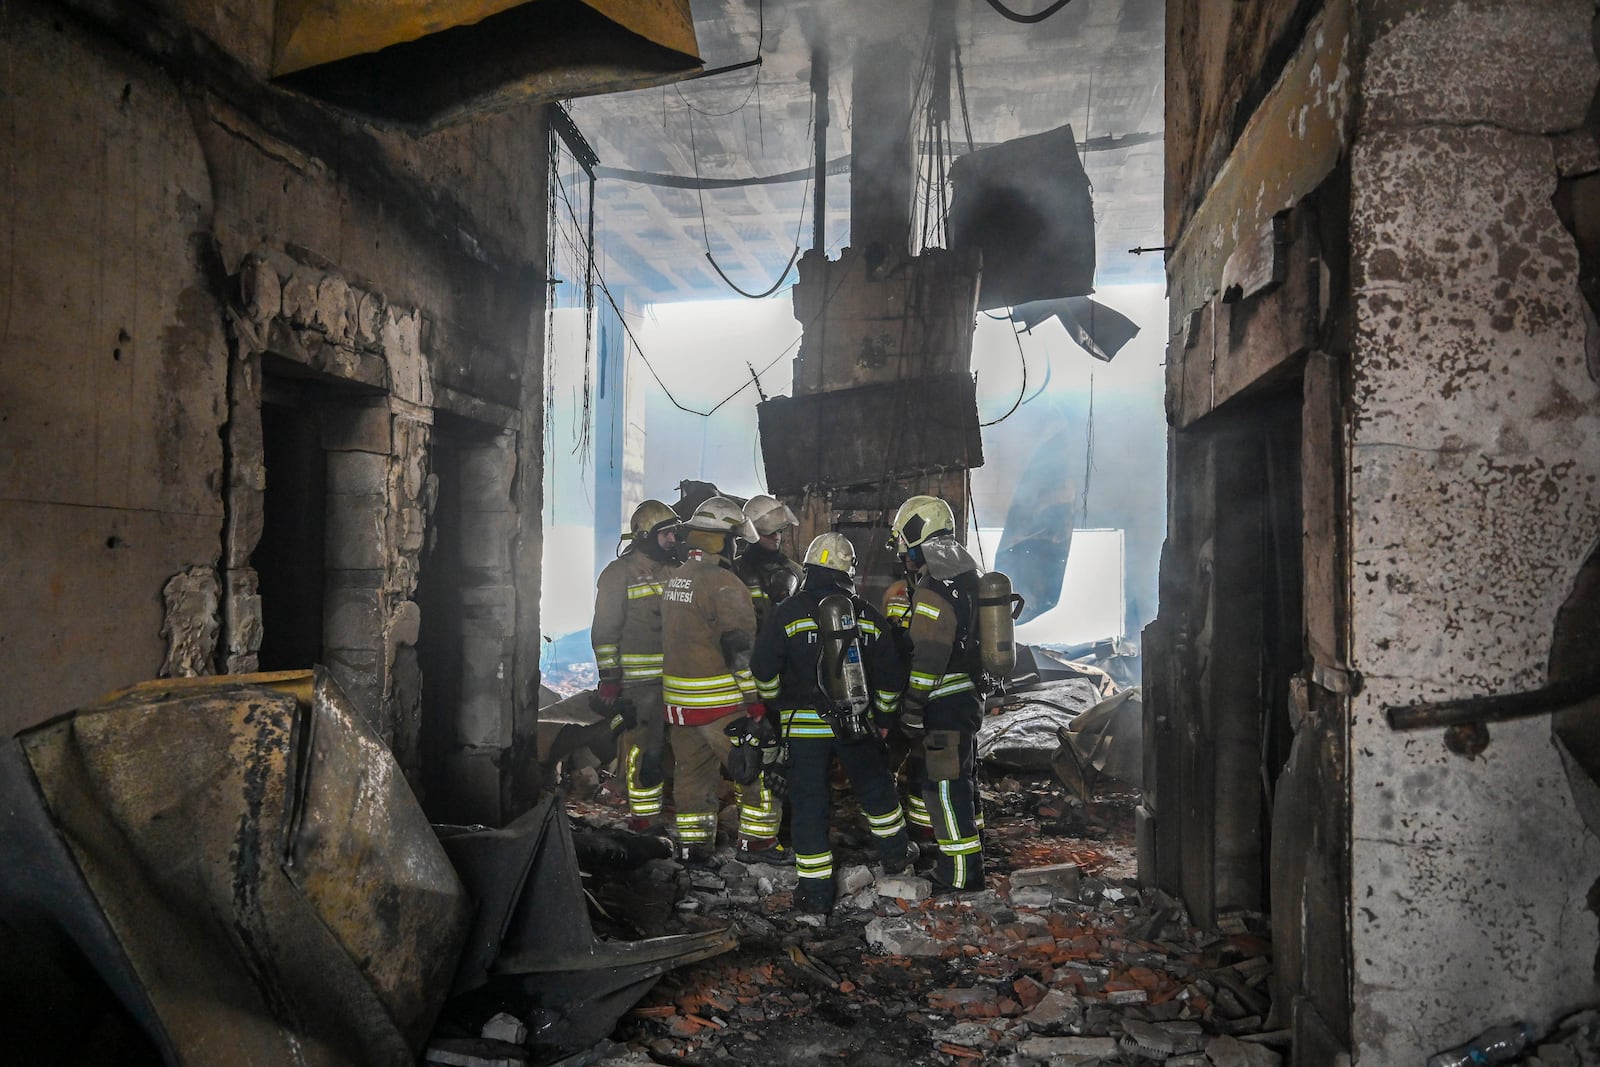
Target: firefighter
(941, 704)
(769, 573)
(627, 650)
(708, 631)
(803, 666)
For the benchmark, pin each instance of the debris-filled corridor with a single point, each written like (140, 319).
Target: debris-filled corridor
(538, 533)
(1063, 958)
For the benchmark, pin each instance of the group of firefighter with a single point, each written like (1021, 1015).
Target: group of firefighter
(714, 646)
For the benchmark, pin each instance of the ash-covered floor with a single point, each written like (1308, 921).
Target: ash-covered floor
(1061, 960)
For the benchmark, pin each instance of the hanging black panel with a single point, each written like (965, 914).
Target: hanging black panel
(1026, 206)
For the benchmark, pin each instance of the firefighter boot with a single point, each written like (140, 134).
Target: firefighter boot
(897, 853)
(814, 896)
(763, 850)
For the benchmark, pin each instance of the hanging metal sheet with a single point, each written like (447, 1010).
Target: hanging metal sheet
(431, 62)
(1026, 205)
(532, 949)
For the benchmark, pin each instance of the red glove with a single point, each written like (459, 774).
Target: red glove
(755, 710)
(609, 692)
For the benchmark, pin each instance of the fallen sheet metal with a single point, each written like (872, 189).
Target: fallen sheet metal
(245, 870)
(532, 950)
(1107, 740)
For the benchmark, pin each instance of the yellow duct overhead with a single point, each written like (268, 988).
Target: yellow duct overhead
(429, 62)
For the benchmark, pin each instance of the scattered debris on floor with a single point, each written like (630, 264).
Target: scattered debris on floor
(1061, 960)
(269, 886)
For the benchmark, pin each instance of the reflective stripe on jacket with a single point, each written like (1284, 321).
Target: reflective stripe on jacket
(705, 612)
(626, 633)
(935, 628)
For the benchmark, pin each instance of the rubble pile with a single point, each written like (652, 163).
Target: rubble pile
(1575, 1042)
(1061, 960)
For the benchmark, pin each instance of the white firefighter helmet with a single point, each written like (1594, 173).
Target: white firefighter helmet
(721, 515)
(832, 550)
(769, 515)
(650, 518)
(919, 519)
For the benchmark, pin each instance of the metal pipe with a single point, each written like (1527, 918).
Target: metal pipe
(1502, 708)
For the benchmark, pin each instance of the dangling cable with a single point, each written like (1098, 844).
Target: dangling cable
(1020, 392)
(705, 236)
(1088, 453)
(1038, 16)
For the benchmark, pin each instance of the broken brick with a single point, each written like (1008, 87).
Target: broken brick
(1028, 992)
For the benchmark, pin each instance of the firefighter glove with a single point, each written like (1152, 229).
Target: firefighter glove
(911, 715)
(607, 693)
(624, 715)
(762, 732)
(744, 758)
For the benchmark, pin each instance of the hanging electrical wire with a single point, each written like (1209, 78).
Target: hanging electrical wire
(705, 236)
(627, 330)
(977, 530)
(1020, 392)
(1088, 455)
(582, 261)
(755, 86)
(1038, 16)
(583, 446)
(552, 183)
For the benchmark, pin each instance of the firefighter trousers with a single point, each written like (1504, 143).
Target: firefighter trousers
(644, 753)
(699, 753)
(810, 798)
(949, 789)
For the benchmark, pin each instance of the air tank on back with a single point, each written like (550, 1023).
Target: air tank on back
(843, 675)
(998, 607)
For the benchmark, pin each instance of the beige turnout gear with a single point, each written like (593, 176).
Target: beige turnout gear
(708, 627)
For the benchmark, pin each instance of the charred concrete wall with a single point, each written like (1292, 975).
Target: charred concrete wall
(1370, 211)
(181, 236)
(1245, 663)
(1475, 492)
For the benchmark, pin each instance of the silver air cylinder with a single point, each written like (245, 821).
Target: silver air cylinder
(844, 676)
(997, 607)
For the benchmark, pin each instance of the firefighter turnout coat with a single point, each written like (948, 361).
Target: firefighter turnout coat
(626, 633)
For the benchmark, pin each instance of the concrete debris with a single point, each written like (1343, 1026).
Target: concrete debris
(896, 887)
(1051, 1047)
(1060, 876)
(504, 1027)
(1061, 959)
(900, 936)
(854, 879)
(1574, 1042)
(1231, 1052)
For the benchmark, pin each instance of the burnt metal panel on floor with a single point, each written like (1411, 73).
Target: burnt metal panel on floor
(271, 889)
(870, 435)
(532, 949)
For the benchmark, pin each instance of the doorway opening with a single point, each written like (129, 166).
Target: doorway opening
(289, 557)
